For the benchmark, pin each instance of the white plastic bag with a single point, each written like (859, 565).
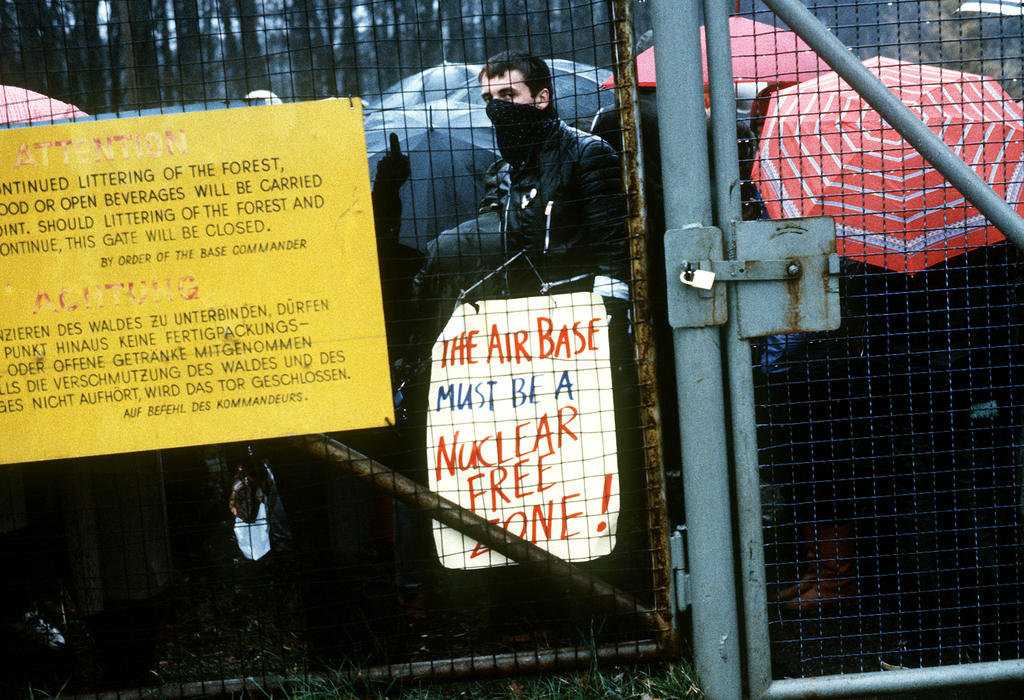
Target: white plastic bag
(254, 538)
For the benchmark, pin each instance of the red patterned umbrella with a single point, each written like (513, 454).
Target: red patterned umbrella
(760, 53)
(19, 105)
(824, 151)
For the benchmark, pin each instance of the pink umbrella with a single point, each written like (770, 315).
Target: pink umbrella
(760, 53)
(19, 105)
(824, 151)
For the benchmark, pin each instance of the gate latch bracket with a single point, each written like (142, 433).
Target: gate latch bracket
(789, 269)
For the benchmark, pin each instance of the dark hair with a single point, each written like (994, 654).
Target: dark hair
(536, 74)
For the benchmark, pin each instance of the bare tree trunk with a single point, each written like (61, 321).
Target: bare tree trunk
(166, 74)
(256, 73)
(516, 27)
(232, 61)
(405, 32)
(428, 32)
(386, 45)
(324, 79)
(190, 50)
(494, 38)
(453, 32)
(300, 55)
(122, 57)
(98, 73)
(36, 63)
(10, 35)
(143, 40)
(350, 68)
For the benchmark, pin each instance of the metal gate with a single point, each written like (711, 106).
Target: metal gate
(862, 453)
(264, 564)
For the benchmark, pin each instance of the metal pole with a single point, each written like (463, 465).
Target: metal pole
(458, 668)
(702, 420)
(910, 127)
(627, 99)
(584, 583)
(942, 679)
(728, 210)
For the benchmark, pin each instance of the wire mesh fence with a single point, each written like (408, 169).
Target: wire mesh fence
(506, 520)
(890, 448)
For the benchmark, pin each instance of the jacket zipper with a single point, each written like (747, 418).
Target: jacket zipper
(504, 234)
(547, 224)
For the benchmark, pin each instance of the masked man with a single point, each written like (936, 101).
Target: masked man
(556, 190)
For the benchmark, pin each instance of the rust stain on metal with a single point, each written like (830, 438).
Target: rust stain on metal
(643, 331)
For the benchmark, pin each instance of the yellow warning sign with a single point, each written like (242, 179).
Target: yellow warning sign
(188, 279)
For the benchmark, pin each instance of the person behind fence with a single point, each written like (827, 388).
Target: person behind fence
(552, 221)
(552, 216)
(944, 350)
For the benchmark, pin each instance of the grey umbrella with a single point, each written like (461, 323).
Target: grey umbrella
(577, 89)
(578, 94)
(428, 85)
(450, 148)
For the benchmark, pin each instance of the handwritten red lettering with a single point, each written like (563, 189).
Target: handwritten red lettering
(522, 354)
(566, 516)
(473, 495)
(592, 331)
(537, 520)
(498, 343)
(518, 475)
(476, 458)
(494, 449)
(508, 523)
(479, 549)
(541, 488)
(521, 455)
(545, 523)
(445, 458)
(567, 341)
(498, 475)
(563, 424)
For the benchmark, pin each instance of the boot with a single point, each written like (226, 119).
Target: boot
(834, 558)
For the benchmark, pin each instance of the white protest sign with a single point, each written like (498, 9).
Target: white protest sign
(521, 426)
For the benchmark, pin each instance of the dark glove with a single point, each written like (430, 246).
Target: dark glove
(392, 172)
(393, 169)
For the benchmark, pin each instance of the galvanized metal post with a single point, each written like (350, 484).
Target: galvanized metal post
(796, 15)
(740, 380)
(702, 419)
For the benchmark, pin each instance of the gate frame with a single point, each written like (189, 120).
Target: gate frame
(727, 668)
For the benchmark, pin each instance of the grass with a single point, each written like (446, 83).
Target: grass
(648, 682)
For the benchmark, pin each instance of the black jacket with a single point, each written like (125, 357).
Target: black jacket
(583, 232)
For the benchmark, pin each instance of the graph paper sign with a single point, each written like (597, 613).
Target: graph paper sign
(188, 279)
(521, 427)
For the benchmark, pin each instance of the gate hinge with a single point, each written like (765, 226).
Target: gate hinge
(677, 562)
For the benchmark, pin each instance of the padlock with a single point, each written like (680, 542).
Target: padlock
(701, 279)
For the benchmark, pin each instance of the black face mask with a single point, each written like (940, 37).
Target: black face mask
(517, 128)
